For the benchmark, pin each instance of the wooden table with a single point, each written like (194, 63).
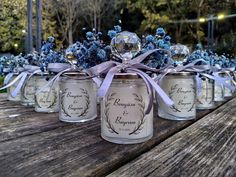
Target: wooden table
(38, 144)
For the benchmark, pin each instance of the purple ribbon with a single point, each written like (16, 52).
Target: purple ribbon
(28, 69)
(111, 68)
(199, 69)
(61, 68)
(222, 80)
(58, 68)
(10, 75)
(7, 78)
(192, 67)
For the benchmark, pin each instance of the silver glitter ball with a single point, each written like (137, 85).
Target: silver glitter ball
(126, 45)
(180, 53)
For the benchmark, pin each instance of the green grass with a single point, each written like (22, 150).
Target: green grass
(1, 82)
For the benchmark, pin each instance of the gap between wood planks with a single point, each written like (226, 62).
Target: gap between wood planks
(213, 154)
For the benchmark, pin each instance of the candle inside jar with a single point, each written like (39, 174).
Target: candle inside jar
(46, 100)
(181, 88)
(205, 95)
(78, 100)
(11, 89)
(123, 111)
(28, 91)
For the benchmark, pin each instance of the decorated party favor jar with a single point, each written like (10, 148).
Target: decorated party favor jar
(28, 91)
(10, 90)
(228, 92)
(205, 93)
(78, 100)
(181, 88)
(46, 100)
(218, 92)
(123, 118)
(234, 80)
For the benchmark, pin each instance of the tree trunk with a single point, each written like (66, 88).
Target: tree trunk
(178, 32)
(70, 34)
(95, 15)
(70, 25)
(29, 23)
(198, 17)
(38, 25)
(99, 14)
(99, 22)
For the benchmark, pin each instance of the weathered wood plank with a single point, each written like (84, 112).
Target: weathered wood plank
(3, 96)
(17, 120)
(37, 144)
(206, 148)
(70, 149)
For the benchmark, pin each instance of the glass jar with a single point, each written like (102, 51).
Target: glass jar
(228, 92)
(123, 118)
(28, 91)
(78, 100)
(43, 101)
(234, 80)
(12, 88)
(218, 92)
(205, 96)
(181, 88)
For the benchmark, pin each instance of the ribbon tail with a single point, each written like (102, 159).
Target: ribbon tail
(97, 81)
(199, 84)
(142, 57)
(149, 90)
(101, 68)
(222, 81)
(12, 82)
(102, 91)
(52, 81)
(19, 86)
(157, 88)
(7, 78)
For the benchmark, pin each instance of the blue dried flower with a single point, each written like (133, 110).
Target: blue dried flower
(99, 34)
(160, 43)
(150, 38)
(199, 47)
(78, 51)
(90, 36)
(111, 33)
(101, 54)
(160, 32)
(47, 45)
(167, 38)
(117, 28)
(51, 39)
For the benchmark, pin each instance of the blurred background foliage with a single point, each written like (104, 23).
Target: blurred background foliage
(64, 19)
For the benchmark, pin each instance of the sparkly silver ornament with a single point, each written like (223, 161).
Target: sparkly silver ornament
(125, 45)
(179, 53)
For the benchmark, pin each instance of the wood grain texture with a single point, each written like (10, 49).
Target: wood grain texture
(17, 120)
(37, 144)
(207, 148)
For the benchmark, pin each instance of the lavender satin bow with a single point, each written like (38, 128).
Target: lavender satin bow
(61, 68)
(10, 75)
(28, 69)
(110, 68)
(58, 68)
(199, 69)
(222, 80)
(192, 67)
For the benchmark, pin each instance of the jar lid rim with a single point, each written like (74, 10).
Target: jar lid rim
(182, 73)
(127, 75)
(74, 74)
